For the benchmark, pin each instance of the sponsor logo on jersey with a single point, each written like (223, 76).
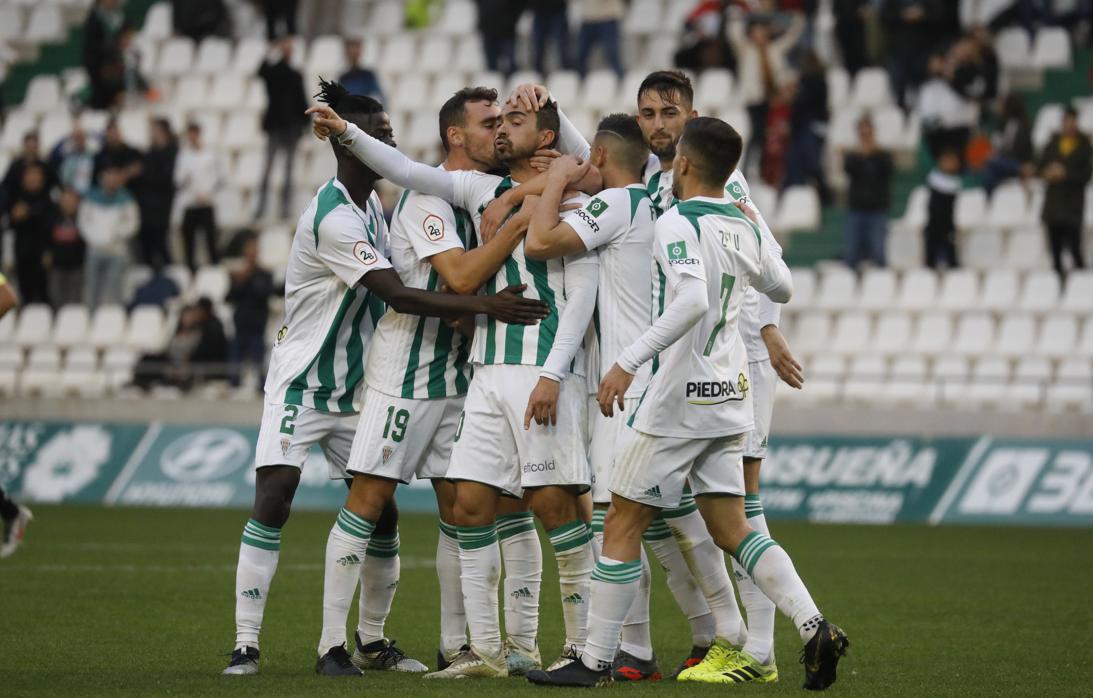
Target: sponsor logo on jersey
(365, 253)
(596, 207)
(592, 224)
(677, 253)
(736, 191)
(540, 467)
(716, 392)
(433, 227)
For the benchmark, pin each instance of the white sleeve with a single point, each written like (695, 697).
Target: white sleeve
(341, 243)
(601, 219)
(688, 306)
(570, 140)
(582, 273)
(774, 281)
(770, 313)
(430, 225)
(398, 169)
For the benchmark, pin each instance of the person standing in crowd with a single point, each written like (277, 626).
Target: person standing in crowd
(549, 25)
(101, 52)
(497, 29)
(197, 176)
(31, 214)
(66, 252)
(251, 289)
(869, 169)
(808, 127)
(116, 154)
(357, 78)
(108, 218)
(943, 184)
(909, 29)
(198, 19)
(30, 156)
(948, 116)
(850, 18)
(1013, 154)
(705, 41)
(280, 18)
(1066, 165)
(74, 162)
(284, 121)
(762, 69)
(155, 192)
(600, 21)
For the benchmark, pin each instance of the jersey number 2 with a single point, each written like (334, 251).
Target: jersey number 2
(291, 413)
(727, 282)
(400, 419)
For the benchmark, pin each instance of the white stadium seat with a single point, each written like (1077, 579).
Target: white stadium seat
(11, 22)
(16, 126)
(226, 91)
(564, 86)
(712, 92)
(176, 57)
(644, 18)
(990, 381)
(950, 377)
(410, 93)
(249, 53)
(798, 209)
(468, 56)
(1025, 251)
(852, 333)
(865, 379)
(878, 289)
(1030, 381)
(825, 377)
(974, 335)
(959, 290)
(1010, 207)
(146, 329)
(435, 55)
(213, 56)
(71, 326)
(811, 333)
(212, 282)
(838, 88)
(108, 326)
(804, 288)
(399, 54)
(982, 249)
(1049, 118)
(999, 291)
(908, 383)
(1040, 292)
(1058, 336)
(1016, 336)
(55, 127)
(1078, 297)
(43, 94)
(1051, 50)
(1073, 386)
(11, 357)
(326, 56)
(1013, 48)
(971, 208)
(45, 25)
(870, 89)
(893, 333)
(158, 23)
(918, 290)
(837, 289)
(932, 334)
(34, 326)
(599, 91)
(459, 18)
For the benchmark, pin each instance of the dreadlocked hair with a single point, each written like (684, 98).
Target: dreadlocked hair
(337, 97)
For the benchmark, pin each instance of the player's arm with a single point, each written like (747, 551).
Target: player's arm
(774, 280)
(8, 299)
(506, 306)
(581, 280)
(465, 271)
(548, 235)
(570, 140)
(498, 210)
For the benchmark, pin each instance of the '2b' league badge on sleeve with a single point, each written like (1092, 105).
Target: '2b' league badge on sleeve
(433, 227)
(365, 253)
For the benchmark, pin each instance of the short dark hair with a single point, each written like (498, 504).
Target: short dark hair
(454, 111)
(671, 85)
(1070, 111)
(547, 118)
(340, 100)
(624, 130)
(713, 147)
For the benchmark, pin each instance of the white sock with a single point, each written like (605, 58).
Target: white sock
(614, 585)
(760, 609)
(772, 571)
(636, 633)
(573, 551)
(523, 559)
(258, 553)
(707, 565)
(345, 550)
(688, 596)
(379, 580)
(453, 619)
(480, 565)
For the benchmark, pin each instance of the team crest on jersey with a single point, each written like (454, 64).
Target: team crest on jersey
(365, 253)
(596, 207)
(433, 227)
(387, 451)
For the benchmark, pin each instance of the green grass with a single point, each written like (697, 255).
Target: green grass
(139, 602)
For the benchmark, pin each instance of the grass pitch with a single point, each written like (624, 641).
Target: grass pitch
(140, 602)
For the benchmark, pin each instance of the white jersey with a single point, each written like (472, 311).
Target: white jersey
(318, 360)
(659, 186)
(412, 356)
(699, 387)
(619, 223)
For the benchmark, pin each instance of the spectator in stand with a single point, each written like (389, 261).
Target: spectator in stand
(157, 290)
(705, 42)
(549, 25)
(943, 184)
(869, 170)
(910, 29)
(31, 215)
(600, 20)
(198, 19)
(155, 192)
(101, 51)
(108, 218)
(197, 177)
(763, 69)
(497, 29)
(284, 121)
(808, 127)
(358, 79)
(1066, 165)
(850, 18)
(280, 18)
(948, 116)
(75, 162)
(1013, 155)
(984, 60)
(116, 154)
(66, 252)
(197, 350)
(249, 296)
(12, 186)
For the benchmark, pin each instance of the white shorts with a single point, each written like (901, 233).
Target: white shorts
(398, 438)
(607, 441)
(492, 447)
(653, 470)
(763, 380)
(289, 431)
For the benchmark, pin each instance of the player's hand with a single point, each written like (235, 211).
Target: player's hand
(326, 120)
(613, 389)
(748, 211)
(509, 306)
(542, 159)
(781, 358)
(494, 216)
(529, 96)
(569, 169)
(543, 403)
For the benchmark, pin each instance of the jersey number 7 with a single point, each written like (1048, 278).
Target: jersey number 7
(727, 282)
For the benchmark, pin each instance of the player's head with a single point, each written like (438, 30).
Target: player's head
(522, 133)
(665, 103)
(708, 153)
(619, 142)
(468, 121)
(366, 112)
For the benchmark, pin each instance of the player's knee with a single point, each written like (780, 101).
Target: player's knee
(369, 497)
(388, 520)
(469, 511)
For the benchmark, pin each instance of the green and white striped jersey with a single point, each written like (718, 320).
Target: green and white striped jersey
(421, 357)
(318, 360)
